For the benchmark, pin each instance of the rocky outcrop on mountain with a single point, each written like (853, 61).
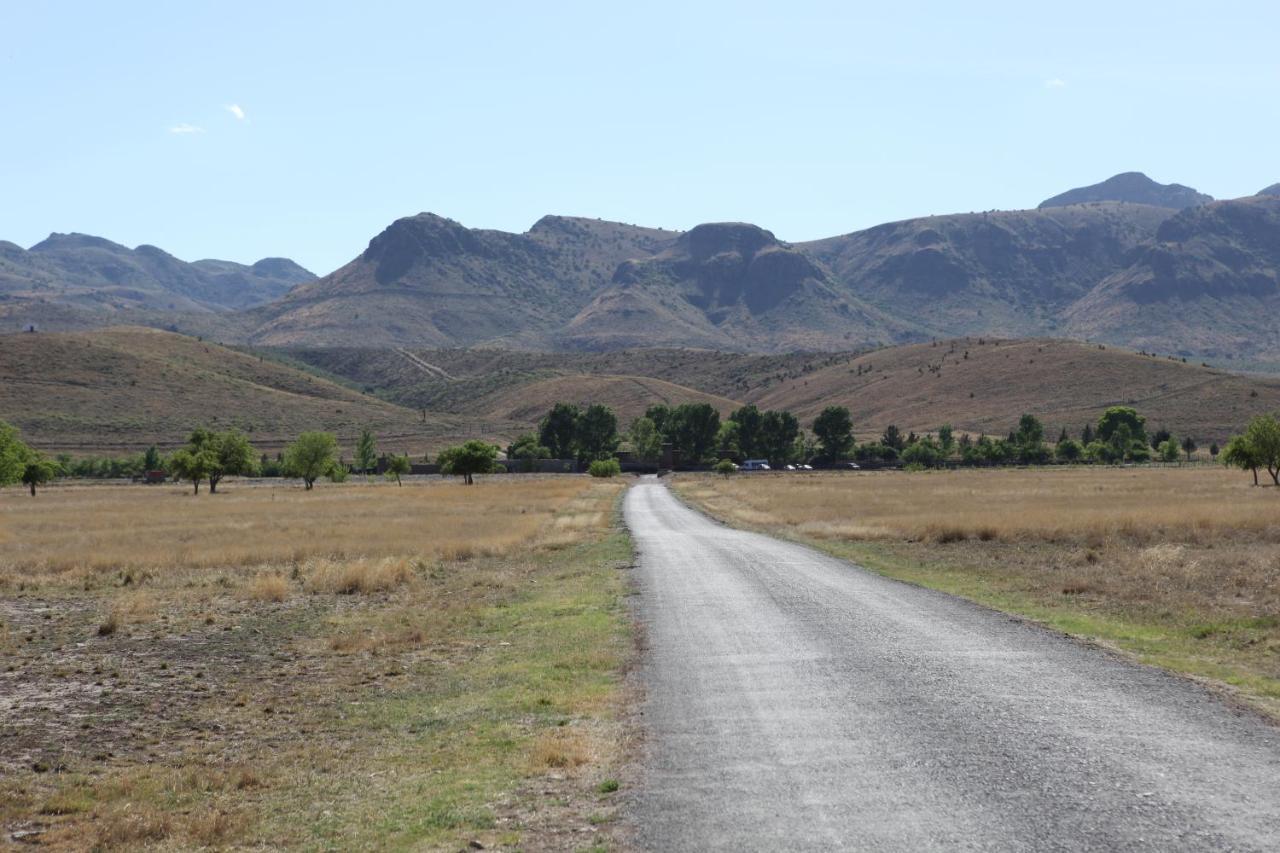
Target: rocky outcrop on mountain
(1134, 188)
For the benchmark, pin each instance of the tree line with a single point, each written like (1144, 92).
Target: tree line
(695, 431)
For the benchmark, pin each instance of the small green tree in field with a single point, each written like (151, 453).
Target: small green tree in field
(726, 468)
(192, 465)
(39, 469)
(151, 460)
(1188, 447)
(366, 452)
(310, 457)
(397, 467)
(1238, 454)
(1169, 450)
(1263, 437)
(604, 468)
(466, 460)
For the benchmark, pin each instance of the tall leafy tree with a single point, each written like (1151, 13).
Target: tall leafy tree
(893, 438)
(694, 427)
(597, 433)
(778, 433)
(646, 441)
(366, 452)
(750, 422)
(1188, 446)
(660, 414)
(558, 430)
(834, 429)
(13, 455)
(192, 465)
(39, 469)
(1239, 454)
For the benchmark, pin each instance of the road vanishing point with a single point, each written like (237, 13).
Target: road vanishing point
(794, 701)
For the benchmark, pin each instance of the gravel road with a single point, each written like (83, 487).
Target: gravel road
(797, 702)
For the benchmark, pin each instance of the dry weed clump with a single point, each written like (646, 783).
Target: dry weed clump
(363, 576)
(269, 588)
(565, 748)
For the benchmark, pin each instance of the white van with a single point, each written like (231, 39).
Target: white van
(755, 465)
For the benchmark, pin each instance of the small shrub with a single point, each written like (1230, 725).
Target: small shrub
(604, 468)
(726, 468)
(608, 786)
(269, 588)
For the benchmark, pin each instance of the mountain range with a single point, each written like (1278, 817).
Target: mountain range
(1127, 261)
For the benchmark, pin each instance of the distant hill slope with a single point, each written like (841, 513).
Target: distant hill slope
(729, 286)
(428, 281)
(1208, 283)
(83, 280)
(1132, 187)
(126, 388)
(1006, 272)
(1274, 189)
(918, 387)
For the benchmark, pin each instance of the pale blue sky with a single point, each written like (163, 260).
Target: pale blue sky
(810, 119)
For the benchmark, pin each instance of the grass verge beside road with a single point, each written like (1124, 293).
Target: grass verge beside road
(446, 671)
(1179, 568)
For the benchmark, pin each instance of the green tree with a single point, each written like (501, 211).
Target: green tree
(397, 467)
(1263, 437)
(726, 468)
(597, 433)
(834, 429)
(38, 470)
(311, 456)
(528, 447)
(468, 459)
(694, 427)
(1122, 416)
(366, 452)
(1069, 451)
(727, 440)
(750, 425)
(778, 433)
(151, 460)
(192, 465)
(558, 430)
(893, 438)
(1188, 447)
(13, 455)
(946, 440)
(646, 441)
(660, 414)
(1238, 454)
(1168, 450)
(924, 453)
(1159, 437)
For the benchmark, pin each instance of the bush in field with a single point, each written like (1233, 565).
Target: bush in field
(397, 467)
(310, 457)
(1069, 450)
(923, 454)
(338, 471)
(726, 468)
(466, 460)
(604, 468)
(1169, 450)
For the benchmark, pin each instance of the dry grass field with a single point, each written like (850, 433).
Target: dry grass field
(357, 667)
(1179, 566)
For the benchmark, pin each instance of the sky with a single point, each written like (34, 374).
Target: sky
(241, 130)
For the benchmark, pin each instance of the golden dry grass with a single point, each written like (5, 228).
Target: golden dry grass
(74, 533)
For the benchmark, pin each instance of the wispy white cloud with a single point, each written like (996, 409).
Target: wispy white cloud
(236, 110)
(1055, 83)
(186, 128)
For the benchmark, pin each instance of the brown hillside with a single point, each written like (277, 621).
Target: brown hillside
(1064, 383)
(126, 388)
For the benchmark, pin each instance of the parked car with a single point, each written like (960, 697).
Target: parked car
(850, 466)
(755, 465)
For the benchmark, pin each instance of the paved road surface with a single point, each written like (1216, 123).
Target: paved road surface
(795, 702)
